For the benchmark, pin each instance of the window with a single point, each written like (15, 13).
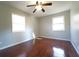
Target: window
(18, 23)
(58, 23)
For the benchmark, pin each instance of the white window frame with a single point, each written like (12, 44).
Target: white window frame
(58, 25)
(18, 23)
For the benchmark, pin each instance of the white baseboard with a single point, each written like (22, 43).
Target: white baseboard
(56, 38)
(75, 47)
(14, 44)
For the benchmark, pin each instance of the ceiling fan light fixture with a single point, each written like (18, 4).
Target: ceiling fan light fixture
(38, 7)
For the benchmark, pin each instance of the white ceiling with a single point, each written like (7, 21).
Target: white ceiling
(57, 6)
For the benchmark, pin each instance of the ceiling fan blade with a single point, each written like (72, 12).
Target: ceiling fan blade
(43, 10)
(34, 10)
(36, 2)
(47, 4)
(30, 5)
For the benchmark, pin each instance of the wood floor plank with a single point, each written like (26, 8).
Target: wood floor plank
(44, 47)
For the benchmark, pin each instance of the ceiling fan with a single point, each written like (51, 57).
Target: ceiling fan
(39, 6)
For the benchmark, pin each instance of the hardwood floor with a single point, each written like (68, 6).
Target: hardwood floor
(43, 47)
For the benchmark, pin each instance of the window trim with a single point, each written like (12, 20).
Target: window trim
(53, 24)
(21, 23)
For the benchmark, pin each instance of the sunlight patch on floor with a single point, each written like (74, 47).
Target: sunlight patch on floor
(58, 52)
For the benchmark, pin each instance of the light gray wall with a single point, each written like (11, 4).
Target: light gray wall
(7, 37)
(46, 27)
(75, 26)
(35, 25)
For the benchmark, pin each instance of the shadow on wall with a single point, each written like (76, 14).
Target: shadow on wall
(29, 34)
(75, 32)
